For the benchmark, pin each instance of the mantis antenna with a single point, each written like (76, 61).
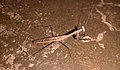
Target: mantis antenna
(79, 19)
(89, 15)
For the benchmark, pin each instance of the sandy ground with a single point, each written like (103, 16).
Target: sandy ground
(22, 21)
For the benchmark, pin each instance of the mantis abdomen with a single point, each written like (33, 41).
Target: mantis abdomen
(50, 39)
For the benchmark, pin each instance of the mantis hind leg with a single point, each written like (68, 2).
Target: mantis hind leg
(66, 47)
(42, 48)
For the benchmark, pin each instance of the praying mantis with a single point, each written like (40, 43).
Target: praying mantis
(59, 39)
(75, 33)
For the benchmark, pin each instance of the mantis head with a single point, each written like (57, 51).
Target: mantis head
(83, 28)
